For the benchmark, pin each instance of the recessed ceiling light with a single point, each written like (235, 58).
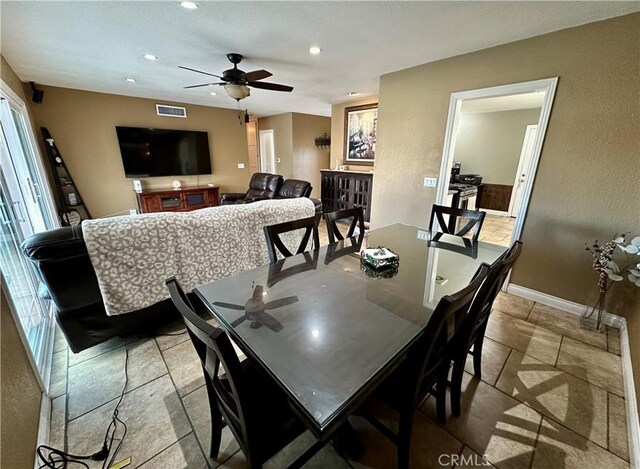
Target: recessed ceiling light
(189, 5)
(150, 57)
(315, 50)
(131, 80)
(352, 93)
(213, 93)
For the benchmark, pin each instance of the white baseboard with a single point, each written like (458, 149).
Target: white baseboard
(613, 320)
(44, 426)
(494, 212)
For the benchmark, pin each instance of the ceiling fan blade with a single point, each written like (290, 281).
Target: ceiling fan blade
(198, 86)
(228, 305)
(269, 86)
(281, 302)
(257, 75)
(200, 71)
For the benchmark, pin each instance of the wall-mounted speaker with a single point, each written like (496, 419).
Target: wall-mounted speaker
(38, 95)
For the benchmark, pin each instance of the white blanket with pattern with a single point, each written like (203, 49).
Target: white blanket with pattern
(134, 255)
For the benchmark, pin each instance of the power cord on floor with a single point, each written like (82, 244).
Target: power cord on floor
(53, 458)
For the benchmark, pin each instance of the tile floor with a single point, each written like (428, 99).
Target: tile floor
(550, 396)
(497, 230)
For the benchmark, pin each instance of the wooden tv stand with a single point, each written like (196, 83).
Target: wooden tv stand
(177, 200)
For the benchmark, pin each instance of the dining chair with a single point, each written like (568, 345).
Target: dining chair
(471, 339)
(475, 217)
(274, 241)
(242, 398)
(357, 220)
(425, 369)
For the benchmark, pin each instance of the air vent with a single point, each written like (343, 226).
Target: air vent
(171, 111)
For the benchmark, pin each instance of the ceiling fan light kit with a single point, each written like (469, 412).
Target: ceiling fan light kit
(237, 82)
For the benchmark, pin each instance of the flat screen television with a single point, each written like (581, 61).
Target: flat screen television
(161, 152)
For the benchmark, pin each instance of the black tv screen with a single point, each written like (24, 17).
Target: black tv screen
(160, 152)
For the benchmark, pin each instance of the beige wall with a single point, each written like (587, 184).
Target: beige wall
(587, 181)
(282, 126)
(489, 143)
(337, 133)
(83, 126)
(20, 394)
(308, 160)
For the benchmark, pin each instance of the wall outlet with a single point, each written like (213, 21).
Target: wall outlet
(430, 182)
(423, 234)
(240, 165)
(133, 211)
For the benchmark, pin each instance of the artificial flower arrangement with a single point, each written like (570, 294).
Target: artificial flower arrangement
(609, 271)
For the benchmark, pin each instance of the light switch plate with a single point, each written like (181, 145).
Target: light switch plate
(240, 165)
(430, 182)
(423, 234)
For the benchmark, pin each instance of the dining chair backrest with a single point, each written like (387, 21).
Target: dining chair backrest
(431, 351)
(274, 241)
(475, 217)
(214, 348)
(357, 220)
(483, 302)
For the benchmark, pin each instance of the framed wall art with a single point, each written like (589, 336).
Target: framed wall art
(360, 126)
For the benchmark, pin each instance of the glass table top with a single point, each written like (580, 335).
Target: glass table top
(324, 328)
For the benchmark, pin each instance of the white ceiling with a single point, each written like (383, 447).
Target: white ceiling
(95, 45)
(510, 102)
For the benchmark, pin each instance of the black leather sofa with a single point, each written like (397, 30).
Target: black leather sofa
(63, 263)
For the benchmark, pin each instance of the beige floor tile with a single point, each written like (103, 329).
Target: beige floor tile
(76, 358)
(58, 380)
(185, 367)
(99, 380)
(184, 454)
(513, 305)
(559, 447)
(494, 355)
(613, 340)
(571, 401)
(532, 340)
(58, 426)
(428, 443)
(469, 459)
(618, 438)
(197, 406)
(154, 416)
(493, 424)
(59, 343)
(591, 364)
(325, 458)
(566, 324)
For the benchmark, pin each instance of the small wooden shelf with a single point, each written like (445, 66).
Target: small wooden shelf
(178, 200)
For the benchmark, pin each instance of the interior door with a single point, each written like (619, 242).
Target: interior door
(524, 166)
(267, 152)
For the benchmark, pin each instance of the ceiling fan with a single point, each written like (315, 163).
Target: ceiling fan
(237, 82)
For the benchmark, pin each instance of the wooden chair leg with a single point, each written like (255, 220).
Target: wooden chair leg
(477, 353)
(404, 440)
(441, 395)
(216, 421)
(456, 384)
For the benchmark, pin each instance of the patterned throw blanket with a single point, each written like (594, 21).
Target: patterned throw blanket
(134, 255)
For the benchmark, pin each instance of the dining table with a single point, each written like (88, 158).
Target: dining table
(328, 328)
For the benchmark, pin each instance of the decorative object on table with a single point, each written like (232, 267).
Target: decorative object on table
(176, 184)
(383, 272)
(323, 142)
(609, 272)
(360, 127)
(380, 257)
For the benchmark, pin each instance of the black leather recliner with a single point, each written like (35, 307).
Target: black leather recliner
(262, 186)
(292, 188)
(64, 266)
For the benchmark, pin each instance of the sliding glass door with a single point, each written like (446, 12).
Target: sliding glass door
(25, 209)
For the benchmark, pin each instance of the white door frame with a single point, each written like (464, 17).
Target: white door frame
(263, 153)
(521, 168)
(548, 85)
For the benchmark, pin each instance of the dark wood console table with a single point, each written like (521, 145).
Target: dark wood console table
(177, 200)
(346, 189)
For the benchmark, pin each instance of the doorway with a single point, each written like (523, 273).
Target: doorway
(492, 147)
(267, 152)
(26, 208)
